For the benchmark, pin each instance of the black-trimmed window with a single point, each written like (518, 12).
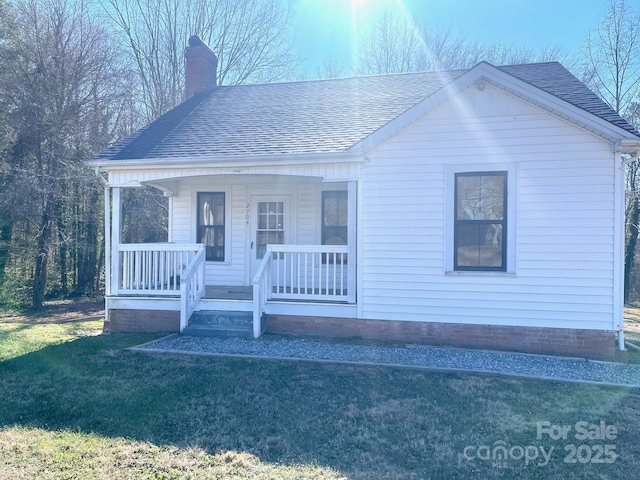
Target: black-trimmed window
(211, 213)
(334, 217)
(480, 228)
(335, 207)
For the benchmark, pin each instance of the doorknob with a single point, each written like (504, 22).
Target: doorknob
(251, 245)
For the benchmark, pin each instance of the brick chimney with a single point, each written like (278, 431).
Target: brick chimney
(201, 67)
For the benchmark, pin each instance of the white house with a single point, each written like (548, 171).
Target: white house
(480, 207)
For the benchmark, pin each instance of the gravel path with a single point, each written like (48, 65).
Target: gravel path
(413, 356)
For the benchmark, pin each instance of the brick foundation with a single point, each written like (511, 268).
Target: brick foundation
(594, 344)
(143, 321)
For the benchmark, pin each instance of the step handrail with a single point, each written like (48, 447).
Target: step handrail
(192, 286)
(261, 291)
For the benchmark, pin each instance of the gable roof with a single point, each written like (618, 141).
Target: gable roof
(318, 117)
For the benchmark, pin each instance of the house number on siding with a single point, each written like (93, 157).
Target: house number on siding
(246, 214)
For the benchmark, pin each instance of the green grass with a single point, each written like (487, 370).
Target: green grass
(79, 405)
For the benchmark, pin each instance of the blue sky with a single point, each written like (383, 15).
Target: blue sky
(330, 28)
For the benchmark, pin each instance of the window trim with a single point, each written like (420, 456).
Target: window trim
(224, 226)
(502, 222)
(510, 239)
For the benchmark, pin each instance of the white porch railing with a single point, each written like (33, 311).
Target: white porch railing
(164, 269)
(191, 287)
(288, 272)
(301, 272)
(262, 291)
(152, 268)
(310, 272)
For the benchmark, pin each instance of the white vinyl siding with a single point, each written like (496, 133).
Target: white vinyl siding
(563, 272)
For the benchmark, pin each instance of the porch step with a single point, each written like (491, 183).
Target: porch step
(219, 323)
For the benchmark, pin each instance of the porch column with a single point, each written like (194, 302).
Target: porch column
(351, 240)
(116, 236)
(107, 241)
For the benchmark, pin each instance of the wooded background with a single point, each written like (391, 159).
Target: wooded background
(77, 75)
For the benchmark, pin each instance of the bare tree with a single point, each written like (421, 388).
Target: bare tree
(392, 47)
(612, 70)
(249, 37)
(57, 85)
(612, 56)
(331, 68)
(399, 43)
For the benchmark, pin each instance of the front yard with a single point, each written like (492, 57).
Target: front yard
(76, 404)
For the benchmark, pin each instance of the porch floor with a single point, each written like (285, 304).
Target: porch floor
(226, 292)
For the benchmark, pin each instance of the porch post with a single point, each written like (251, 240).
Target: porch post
(116, 236)
(351, 240)
(107, 240)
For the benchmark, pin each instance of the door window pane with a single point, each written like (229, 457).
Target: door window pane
(271, 226)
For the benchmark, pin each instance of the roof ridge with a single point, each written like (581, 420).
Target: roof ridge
(353, 77)
(386, 75)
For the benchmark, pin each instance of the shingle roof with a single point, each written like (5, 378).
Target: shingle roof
(322, 116)
(553, 78)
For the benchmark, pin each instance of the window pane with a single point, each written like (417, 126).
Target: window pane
(479, 245)
(213, 239)
(335, 236)
(211, 206)
(480, 197)
(334, 217)
(330, 210)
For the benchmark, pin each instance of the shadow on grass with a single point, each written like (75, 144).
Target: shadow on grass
(366, 422)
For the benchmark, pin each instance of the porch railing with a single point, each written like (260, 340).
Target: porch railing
(262, 291)
(301, 272)
(191, 287)
(153, 268)
(287, 272)
(310, 272)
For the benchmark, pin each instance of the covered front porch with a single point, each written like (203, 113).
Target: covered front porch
(294, 273)
(256, 249)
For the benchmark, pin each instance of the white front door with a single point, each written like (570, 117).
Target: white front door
(270, 224)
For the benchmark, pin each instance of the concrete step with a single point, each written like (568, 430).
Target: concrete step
(221, 317)
(218, 331)
(220, 323)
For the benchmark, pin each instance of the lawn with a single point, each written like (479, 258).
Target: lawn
(76, 404)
